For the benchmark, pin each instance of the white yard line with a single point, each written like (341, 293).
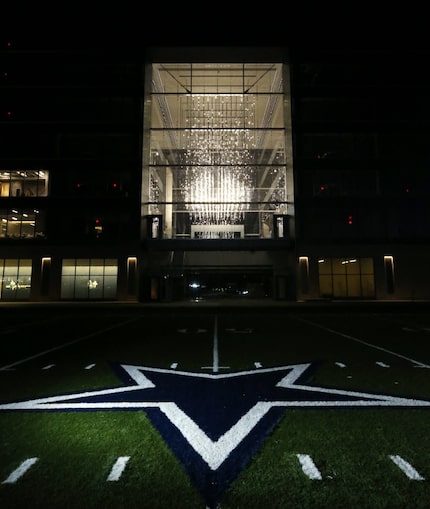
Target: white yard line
(215, 351)
(352, 338)
(59, 347)
(215, 367)
(20, 471)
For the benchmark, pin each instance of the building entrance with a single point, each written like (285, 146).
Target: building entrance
(228, 285)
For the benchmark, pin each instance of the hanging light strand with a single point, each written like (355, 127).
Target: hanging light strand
(218, 184)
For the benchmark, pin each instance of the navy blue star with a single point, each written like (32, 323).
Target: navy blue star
(213, 423)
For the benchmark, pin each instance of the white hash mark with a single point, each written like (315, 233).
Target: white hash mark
(406, 468)
(118, 468)
(383, 365)
(308, 467)
(20, 471)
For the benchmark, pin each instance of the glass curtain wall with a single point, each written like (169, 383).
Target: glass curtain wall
(217, 165)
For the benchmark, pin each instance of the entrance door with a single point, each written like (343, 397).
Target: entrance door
(203, 285)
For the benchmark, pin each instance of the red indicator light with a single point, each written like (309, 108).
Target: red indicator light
(350, 219)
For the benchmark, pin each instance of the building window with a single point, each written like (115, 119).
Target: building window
(24, 183)
(346, 277)
(15, 279)
(217, 164)
(22, 223)
(89, 278)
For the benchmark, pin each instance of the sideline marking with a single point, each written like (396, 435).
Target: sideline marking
(118, 468)
(308, 467)
(49, 366)
(20, 471)
(352, 338)
(406, 467)
(82, 338)
(340, 364)
(90, 366)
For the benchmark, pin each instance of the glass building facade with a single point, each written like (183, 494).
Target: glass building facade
(152, 174)
(216, 165)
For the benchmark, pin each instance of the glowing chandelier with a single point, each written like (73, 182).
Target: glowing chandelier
(218, 183)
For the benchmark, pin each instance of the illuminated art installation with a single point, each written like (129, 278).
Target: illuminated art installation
(218, 184)
(217, 161)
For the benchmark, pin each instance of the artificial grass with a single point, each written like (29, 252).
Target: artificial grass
(76, 452)
(350, 447)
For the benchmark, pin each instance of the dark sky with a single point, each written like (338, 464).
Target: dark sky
(124, 24)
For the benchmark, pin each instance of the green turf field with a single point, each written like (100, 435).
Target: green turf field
(140, 407)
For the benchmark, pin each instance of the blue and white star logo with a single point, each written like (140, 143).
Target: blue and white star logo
(214, 423)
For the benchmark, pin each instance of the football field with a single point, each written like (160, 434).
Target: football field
(214, 406)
